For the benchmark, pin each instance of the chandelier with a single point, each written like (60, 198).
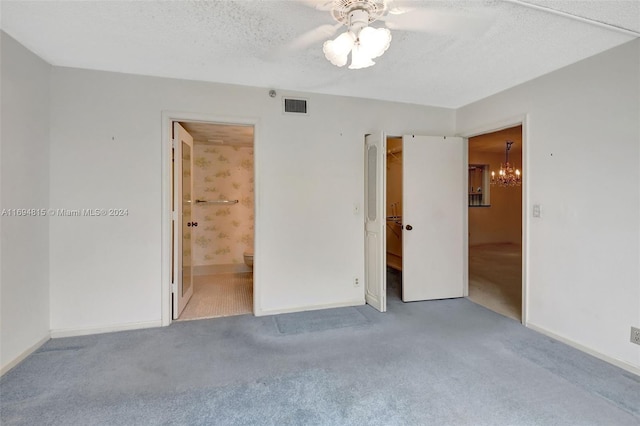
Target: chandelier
(365, 43)
(507, 176)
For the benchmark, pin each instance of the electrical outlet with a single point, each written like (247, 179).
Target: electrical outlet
(356, 282)
(635, 335)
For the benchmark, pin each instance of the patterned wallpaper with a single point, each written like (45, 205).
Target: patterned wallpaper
(224, 232)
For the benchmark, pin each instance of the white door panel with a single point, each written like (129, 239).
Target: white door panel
(434, 203)
(375, 222)
(182, 225)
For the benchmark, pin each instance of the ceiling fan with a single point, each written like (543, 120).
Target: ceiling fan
(364, 42)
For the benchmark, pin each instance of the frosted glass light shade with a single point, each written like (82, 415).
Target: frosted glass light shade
(337, 51)
(375, 41)
(368, 44)
(360, 58)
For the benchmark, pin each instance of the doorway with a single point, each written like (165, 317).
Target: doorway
(214, 216)
(428, 222)
(394, 227)
(496, 221)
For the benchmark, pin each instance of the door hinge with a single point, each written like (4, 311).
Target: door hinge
(174, 288)
(173, 143)
(174, 215)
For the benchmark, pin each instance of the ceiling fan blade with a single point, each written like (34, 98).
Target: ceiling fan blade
(396, 7)
(324, 5)
(316, 35)
(468, 23)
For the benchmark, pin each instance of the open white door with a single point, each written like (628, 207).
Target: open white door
(434, 203)
(375, 280)
(182, 287)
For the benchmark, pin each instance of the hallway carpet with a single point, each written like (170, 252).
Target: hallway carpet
(447, 362)
(495, 278)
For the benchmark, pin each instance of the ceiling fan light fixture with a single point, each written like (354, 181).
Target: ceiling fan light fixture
(360, 58)
(364, 42)
(375, 41)
(336, 51)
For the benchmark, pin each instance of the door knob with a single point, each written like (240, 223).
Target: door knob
(409, 227)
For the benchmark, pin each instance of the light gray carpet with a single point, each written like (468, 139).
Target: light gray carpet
(447, 362)
(327, 319)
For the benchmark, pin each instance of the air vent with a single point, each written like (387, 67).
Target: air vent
(295, 106)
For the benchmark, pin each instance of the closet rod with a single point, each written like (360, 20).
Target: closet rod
(217, 202)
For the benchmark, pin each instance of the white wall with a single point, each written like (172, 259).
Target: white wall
(106, 152)
(24, 172)
(584, 170)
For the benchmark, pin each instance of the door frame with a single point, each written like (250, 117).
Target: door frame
(168, 117)
(523, 120)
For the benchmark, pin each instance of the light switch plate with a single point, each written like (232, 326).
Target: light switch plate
(536, 210)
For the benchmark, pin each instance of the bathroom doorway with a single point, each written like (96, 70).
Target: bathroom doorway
(496, 221)
(214, 216)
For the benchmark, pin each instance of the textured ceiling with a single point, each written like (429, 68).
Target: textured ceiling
(219, 134)
(465, 50)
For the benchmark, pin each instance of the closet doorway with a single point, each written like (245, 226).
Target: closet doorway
(394, 226)
(431, 214)
(496, 221)
(213, 219)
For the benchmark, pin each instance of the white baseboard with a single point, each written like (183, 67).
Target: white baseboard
(618, 363)
(17, 360)
(71, 332)
(261, 313)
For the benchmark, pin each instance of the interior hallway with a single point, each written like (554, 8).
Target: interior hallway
(495, 278)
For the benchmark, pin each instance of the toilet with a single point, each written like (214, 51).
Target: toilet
(248, 258)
